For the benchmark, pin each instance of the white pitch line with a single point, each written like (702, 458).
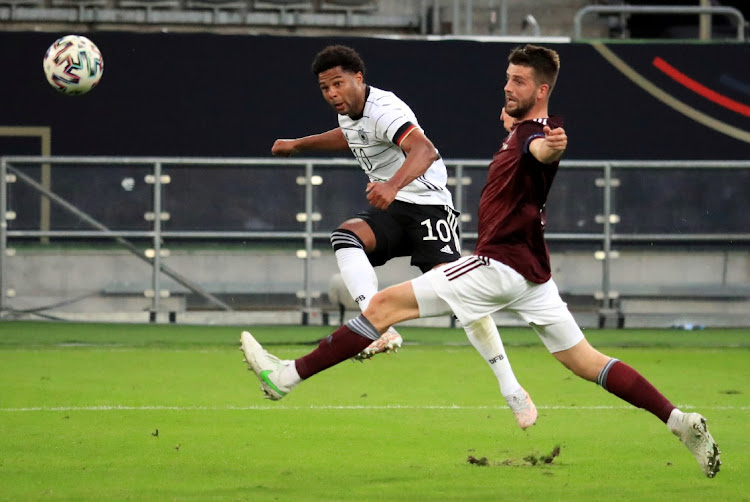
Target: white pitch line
(331, 407)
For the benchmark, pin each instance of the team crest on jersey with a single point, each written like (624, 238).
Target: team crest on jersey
(362, 136)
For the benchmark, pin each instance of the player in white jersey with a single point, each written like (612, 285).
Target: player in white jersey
(412, 213)
(374, 139)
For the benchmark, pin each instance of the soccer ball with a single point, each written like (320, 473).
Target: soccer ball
(73, 65)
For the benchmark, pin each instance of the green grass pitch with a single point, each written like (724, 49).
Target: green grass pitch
(147, 412)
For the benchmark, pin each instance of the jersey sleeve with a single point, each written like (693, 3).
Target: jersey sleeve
(529, 130)
(393, 124)
(402, 132)
(526, 133)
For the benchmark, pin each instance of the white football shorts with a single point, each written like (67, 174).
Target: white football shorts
(475, 286)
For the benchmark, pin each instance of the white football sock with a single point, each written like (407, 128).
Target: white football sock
(288, 376)
(484, 336)
(674, 420)
(358, 275)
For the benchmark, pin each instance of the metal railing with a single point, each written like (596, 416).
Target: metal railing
(9, 171)
(658, 9)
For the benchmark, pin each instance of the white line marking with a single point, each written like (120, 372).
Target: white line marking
(332, 407)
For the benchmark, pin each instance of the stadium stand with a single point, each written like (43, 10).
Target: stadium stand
(551, 18)
(149, 5)
(284, 6)
(14, 4)
(363, 17)
(218, 6)
(349, 5)
(81, 6)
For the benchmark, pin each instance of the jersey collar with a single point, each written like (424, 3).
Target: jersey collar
(367, 95)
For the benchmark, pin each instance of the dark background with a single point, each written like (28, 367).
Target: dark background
(231, 96)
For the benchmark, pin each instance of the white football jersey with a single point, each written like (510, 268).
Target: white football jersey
(374, 139)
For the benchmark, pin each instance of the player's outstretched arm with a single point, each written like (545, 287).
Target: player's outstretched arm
(330, 141)
(420, 154)
(550, 148)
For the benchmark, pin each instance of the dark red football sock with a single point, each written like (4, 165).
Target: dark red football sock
(339, 346)
(626, 383)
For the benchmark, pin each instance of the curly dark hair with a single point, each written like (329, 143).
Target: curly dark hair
(338, 55)
(545, 62)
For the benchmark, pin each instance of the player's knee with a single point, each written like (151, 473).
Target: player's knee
(343, 238)
(380, 301)
(378, 311)
(392, 306)
(582, 370)
(583, 360)
(385, 309)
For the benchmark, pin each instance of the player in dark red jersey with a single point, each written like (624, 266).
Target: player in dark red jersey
(509, 270)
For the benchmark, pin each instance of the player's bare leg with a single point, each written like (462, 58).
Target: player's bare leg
(626, 383)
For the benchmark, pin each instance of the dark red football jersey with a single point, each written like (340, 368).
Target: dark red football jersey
(511, 209)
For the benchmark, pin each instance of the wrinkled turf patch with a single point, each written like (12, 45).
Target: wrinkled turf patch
(531, 459)
(543, 459)
(478, 461)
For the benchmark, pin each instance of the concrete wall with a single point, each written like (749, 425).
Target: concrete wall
(670, 287)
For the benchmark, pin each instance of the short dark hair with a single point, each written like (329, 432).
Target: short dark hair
(545, 62)
(338, 55)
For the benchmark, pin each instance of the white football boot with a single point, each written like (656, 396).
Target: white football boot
(523, 408)
(388, 341)
(265, 366)
(692, 430)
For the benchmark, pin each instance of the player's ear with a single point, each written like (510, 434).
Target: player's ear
(542, 92)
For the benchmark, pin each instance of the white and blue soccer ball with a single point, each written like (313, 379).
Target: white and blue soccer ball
(73, 65)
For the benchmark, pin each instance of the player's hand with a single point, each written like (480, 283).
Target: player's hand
(381, 195)
(284, 147)
(555, 139)
(507, 120)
